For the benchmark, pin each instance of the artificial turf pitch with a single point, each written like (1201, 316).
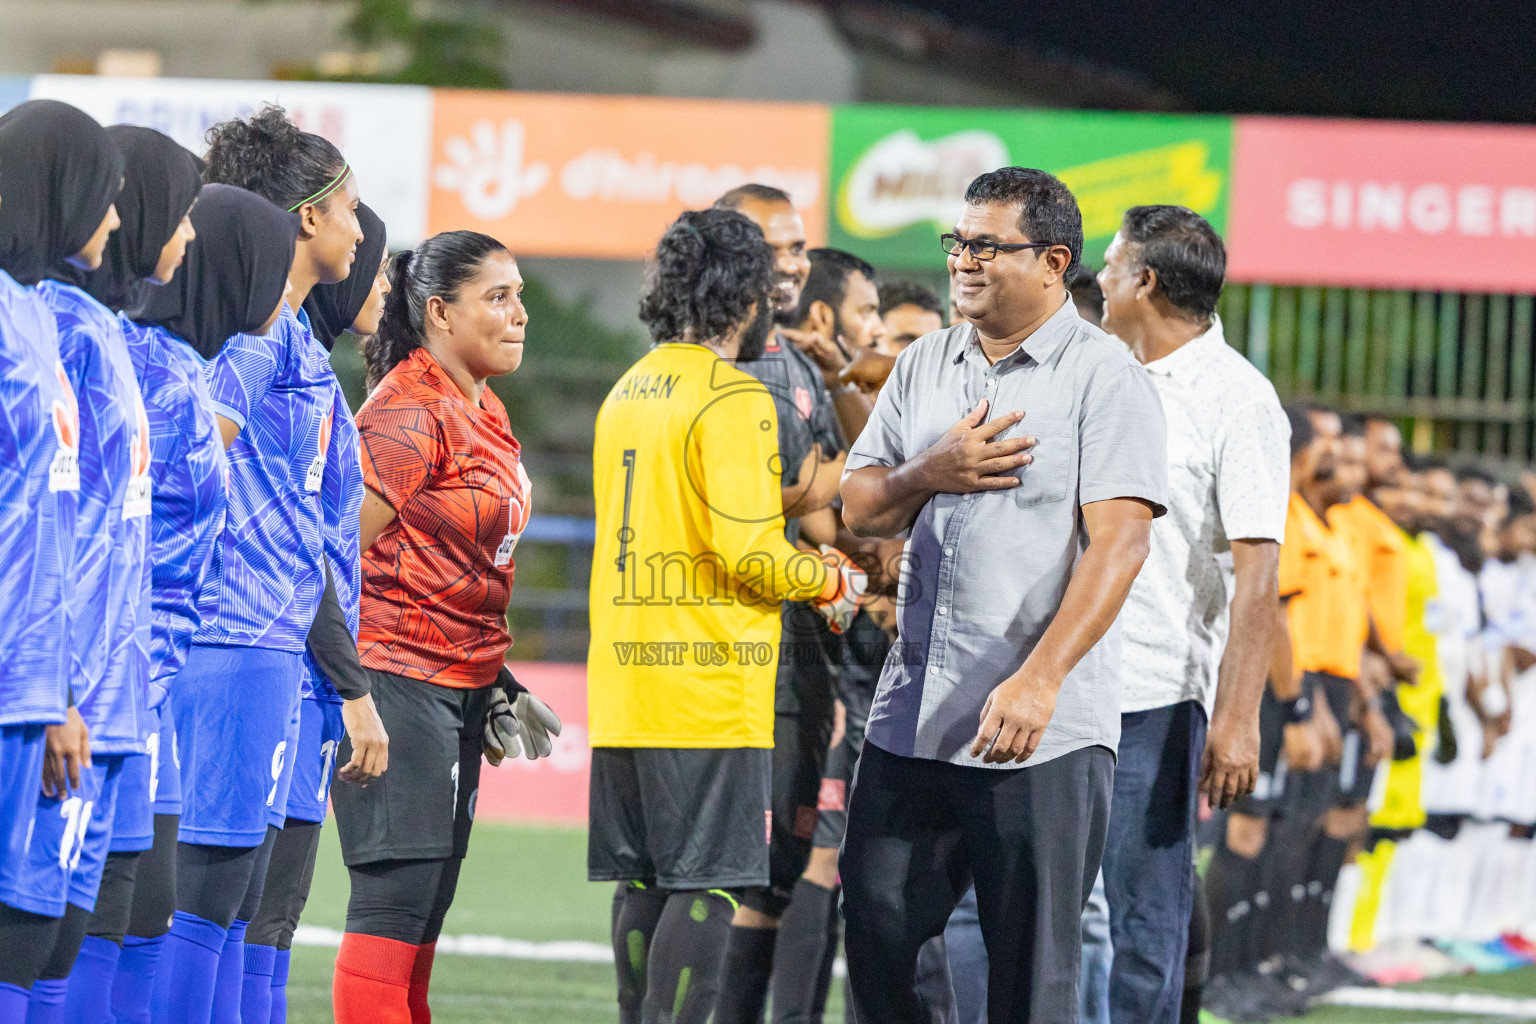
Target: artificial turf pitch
(530, 883)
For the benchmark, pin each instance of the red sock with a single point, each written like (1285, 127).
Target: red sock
(421, 977)
(372, 981)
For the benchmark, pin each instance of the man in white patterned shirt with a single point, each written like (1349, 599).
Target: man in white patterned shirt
(1214, 560)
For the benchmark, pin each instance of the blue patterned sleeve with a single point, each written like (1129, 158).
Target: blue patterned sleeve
(242, 375)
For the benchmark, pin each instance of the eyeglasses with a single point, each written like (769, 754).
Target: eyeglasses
(982, 249)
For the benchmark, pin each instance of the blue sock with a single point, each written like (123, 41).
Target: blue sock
(46, 1004)
(280, 987)
(90, 983)
(13, 1003)
(135, 979)
(184, 983)
(256, 988)
(226, 991)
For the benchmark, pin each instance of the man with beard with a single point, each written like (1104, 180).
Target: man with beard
(835, 300)
(689, 569)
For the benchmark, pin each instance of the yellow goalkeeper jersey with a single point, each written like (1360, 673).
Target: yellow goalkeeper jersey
(690, 563)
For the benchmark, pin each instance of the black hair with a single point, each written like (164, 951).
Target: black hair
(910, 293)
(828, 280)
(1472, 471)
(439, 266)
(1520, 504)
(1083, 283)
(1352, 425)
(741, 194)
(1184, 251)
(1415, 462)
(271, 156)
(1047, 209)
(1429, 461)
(708, 269)
(1302, 433)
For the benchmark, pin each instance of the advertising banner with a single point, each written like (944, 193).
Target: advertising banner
(553, 788)
(383, 130)
(602, 176)
(899, 173)
(1383, 204)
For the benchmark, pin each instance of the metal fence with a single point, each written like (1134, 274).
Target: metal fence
(1453, 368)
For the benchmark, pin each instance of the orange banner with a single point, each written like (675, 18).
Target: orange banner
(601, 176)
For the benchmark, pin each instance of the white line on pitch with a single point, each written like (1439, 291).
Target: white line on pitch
(1435, 1002)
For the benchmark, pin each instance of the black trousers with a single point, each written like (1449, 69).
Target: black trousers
(920, 832)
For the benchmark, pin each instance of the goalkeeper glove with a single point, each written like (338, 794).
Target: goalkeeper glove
(839, 598)
(518, 722)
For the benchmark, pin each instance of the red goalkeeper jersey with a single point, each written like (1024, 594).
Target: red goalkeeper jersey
(437, 581)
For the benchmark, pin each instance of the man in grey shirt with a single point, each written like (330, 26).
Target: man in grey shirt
(1005, 444)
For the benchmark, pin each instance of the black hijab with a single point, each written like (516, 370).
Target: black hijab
(160, 183)
(59, 173)
(235, 272)
(333, 307)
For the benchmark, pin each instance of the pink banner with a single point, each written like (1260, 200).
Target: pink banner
(1383, 204)
(551, 789)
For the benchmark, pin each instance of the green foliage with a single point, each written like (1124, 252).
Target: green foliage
(454, 48)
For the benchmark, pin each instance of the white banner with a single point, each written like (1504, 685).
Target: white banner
(385, 131)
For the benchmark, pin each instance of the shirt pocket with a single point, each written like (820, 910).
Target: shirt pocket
(1050, 475)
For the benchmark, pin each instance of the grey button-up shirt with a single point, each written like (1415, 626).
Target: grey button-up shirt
(985, 573)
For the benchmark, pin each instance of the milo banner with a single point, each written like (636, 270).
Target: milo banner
(899, 173)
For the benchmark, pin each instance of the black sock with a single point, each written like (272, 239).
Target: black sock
(1285, 879)
(1230, 882)
(686, 956)
(798, 953)
(744, 975)
(636, 909)
(1327, 861)
(834, 928)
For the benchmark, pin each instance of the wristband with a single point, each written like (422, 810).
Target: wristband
(1298, 710)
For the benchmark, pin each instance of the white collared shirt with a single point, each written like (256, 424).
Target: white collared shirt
(1228, 478)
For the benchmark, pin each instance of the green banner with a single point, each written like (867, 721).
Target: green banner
(899, 173)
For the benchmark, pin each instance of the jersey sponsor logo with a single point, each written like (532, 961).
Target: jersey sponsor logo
(519, 507)
(316, 475)
(832, 795)
(803, 402)
(64, 470)
(136, 502)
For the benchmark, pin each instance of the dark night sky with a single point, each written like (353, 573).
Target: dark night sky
(1411, 59)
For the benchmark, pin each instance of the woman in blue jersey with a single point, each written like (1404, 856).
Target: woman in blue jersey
(274, 393)
(56, 191)
(355, 305)
(160, 184)
(105, 680)
(235, 280)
